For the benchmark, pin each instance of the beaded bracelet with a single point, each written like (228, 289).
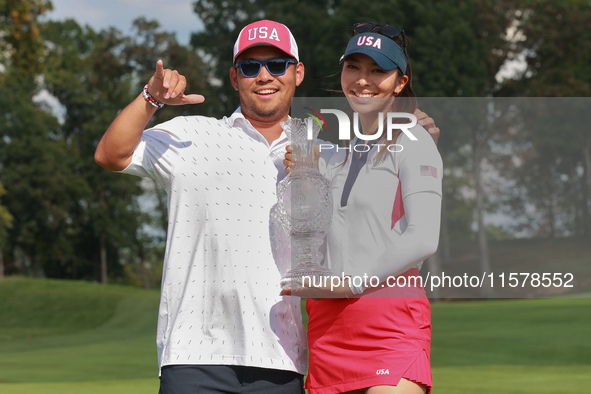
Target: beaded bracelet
(148, 97)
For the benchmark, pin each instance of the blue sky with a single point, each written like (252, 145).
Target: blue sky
(173, 15)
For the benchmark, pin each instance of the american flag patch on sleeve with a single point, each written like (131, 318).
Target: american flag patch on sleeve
(429, 171)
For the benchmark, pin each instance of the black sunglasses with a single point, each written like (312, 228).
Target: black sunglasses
(276, 67)
(385, 30)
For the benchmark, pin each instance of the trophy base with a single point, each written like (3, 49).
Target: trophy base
(308, 274)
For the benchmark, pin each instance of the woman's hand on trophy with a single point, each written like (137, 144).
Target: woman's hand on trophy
(329, 290)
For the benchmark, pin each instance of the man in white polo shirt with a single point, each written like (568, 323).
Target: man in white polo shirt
(222, 326)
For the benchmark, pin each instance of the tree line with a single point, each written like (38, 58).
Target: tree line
(61, 84)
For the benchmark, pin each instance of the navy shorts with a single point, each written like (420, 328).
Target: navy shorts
(189, 379)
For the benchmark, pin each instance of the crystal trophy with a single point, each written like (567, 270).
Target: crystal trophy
(304, 206)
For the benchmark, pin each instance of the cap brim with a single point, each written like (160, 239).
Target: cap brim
(263, 44)
(380, 59)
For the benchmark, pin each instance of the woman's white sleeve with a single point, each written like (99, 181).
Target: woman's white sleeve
(420, 171)
(418, 242)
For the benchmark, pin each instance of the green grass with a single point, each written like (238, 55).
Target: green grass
(503, 379)
(73, 337)
(128, 386)
(64, 336)
(544, 332)
(512, 346)
(52, 307)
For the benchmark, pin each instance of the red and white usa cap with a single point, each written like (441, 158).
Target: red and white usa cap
(266, 32)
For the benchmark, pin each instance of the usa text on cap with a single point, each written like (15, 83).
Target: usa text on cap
(266, 32)
(386, 53)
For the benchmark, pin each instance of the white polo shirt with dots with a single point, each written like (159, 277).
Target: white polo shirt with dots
(220, 300)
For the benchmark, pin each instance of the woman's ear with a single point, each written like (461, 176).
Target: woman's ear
(400, 84)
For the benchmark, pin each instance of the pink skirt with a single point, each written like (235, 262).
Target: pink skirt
(369, 341)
